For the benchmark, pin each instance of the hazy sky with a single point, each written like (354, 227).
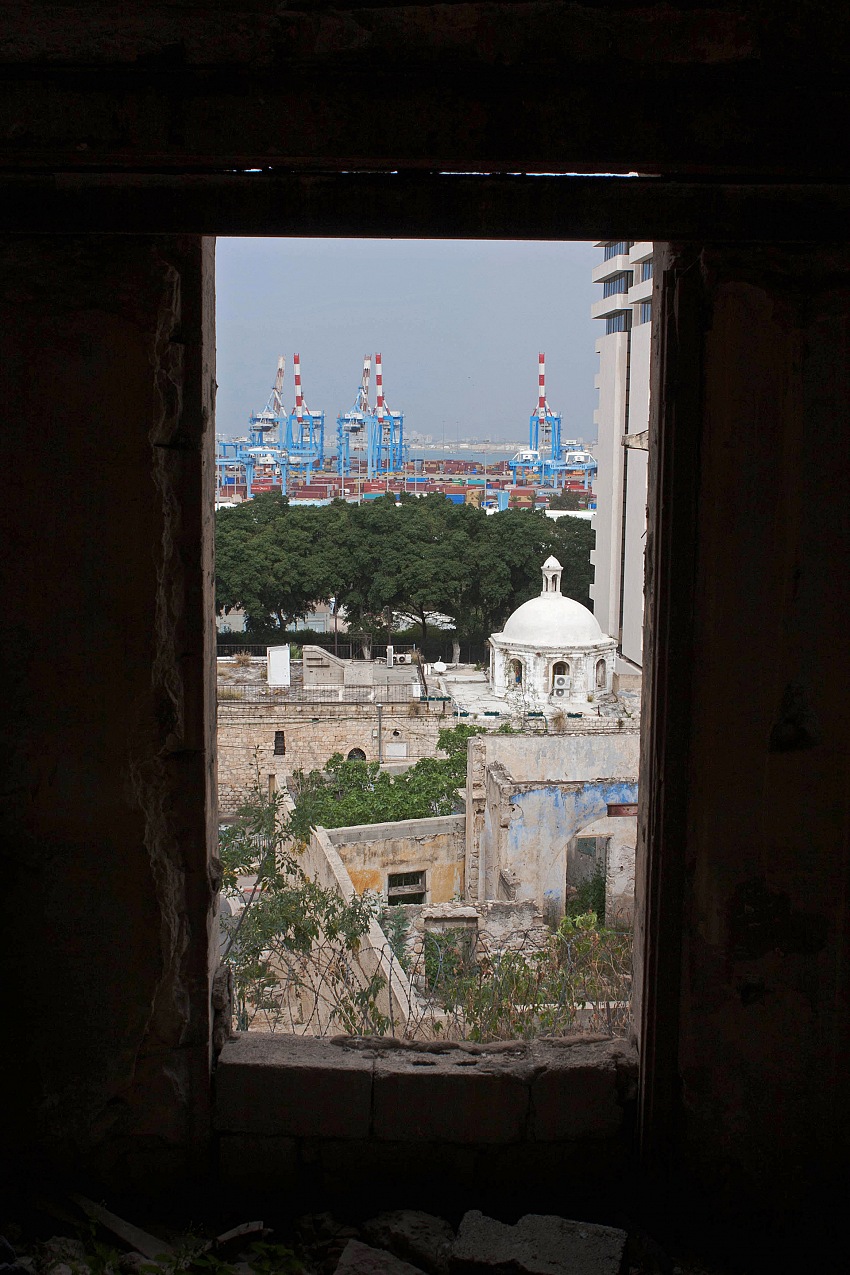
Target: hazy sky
(459, 325)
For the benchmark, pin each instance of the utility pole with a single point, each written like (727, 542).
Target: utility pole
(380, 707)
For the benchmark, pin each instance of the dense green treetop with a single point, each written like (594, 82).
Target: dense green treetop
(348, 793)
(423, 555)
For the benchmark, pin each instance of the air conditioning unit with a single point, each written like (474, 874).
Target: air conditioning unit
(403, 659)
(562, 683)
(560, 693)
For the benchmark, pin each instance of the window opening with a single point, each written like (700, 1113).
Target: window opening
(375, 589)
(620, 322)
(618, 249)
(619, 284)
(405, 887)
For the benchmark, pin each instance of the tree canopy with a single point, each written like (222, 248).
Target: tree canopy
(419, 557)
(347, 793)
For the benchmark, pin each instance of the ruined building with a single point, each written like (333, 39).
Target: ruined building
(128, 140)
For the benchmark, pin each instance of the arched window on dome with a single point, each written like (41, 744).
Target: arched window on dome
(560, 677)
(515, 673)
(601, 675)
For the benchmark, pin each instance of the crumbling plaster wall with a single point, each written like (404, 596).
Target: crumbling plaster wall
(528, 796)
(106, 358)
(436, 846)
(529, 829)
(748, 789)
(499, 925)
(592, 748)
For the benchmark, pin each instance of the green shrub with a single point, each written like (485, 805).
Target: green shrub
(589, 896)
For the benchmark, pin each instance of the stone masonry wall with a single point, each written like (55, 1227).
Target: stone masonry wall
(313, 732)
(436, 1118)
(109, 770)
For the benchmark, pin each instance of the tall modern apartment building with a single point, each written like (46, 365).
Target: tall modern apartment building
(622, 421)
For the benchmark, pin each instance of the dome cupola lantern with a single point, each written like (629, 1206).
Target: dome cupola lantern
(551, 576)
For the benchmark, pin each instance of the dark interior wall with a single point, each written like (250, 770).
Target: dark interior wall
(748, 877)
(536, 86)
(107, 358)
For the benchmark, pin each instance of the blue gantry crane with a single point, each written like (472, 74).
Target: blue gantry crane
(548, 458)
(262, 462)
(352, 426)
(380, 427)
(304, 441)
(385, 448)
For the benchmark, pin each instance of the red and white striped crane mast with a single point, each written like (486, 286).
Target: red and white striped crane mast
(305, 430)
(385, 443)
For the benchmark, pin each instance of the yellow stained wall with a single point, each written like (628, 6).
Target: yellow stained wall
(440, 855)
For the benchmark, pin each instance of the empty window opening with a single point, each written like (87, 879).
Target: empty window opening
(402, 582)
(405, 887)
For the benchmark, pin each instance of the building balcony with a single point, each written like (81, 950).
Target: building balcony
(640, 292)
(607, 269)
(640, 251)
(610, 305)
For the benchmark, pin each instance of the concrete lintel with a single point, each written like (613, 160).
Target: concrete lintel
(412, 204)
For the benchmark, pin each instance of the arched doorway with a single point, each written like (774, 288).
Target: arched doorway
(514, 673)
(601, 675)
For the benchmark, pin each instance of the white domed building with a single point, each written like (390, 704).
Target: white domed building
(552, 652)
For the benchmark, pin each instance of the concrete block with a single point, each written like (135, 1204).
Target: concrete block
(576, 1092)
(537, 1245)
(360, 1259)
(340, 1162)
(245, 1159)
(296, 1086)
(414, 1236)
(457, 1097)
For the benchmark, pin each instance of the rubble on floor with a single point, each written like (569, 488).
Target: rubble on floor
(537, 1245)
(399, 1242)
(362, 1259)
(416, 1237)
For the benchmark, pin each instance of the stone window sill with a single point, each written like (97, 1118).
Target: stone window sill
(286, 1102)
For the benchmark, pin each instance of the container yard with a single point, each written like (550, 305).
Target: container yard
(285, 451)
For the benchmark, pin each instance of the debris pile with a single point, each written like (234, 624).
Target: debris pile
(401, 1242)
